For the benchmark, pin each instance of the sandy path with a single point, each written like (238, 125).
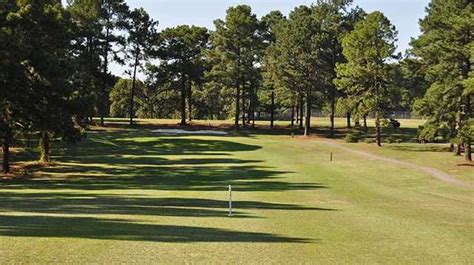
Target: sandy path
(428, 170)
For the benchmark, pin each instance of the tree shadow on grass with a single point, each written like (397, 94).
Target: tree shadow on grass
(134, 160)
(197, 178)
(118, 229)
(78, 203)
(421, 148)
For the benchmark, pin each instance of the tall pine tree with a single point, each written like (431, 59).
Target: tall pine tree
(445, 48)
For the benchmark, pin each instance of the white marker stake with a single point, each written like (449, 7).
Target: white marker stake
(230, 200)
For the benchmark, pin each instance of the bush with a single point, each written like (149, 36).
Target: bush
(395, 124)
(369, 140)
(392, 139)
(427, 133)
(391, 124)
(351, 138)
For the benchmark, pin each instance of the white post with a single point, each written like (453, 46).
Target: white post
(230, 200)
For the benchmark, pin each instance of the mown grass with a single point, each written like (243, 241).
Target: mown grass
(131, 196)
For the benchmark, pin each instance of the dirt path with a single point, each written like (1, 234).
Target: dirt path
(428, 170)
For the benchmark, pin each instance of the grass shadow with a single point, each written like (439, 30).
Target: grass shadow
(78, 203)
(119, 229)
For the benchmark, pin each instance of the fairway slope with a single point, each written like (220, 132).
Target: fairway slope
(428, 170)
(132, 196)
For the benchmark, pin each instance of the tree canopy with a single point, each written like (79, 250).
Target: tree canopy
(329, 57)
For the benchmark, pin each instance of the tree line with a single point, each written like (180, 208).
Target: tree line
(55, 68)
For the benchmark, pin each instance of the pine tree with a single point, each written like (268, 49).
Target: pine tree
(14, 90)
(269, 24)
(298, 56)
(180, 54)
(44, 27)
(142, 35)
(112, 16)
(367, 74)
(445, 50)
(233, 54)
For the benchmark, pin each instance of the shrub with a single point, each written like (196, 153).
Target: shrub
(391, 124)
(392, 139)
(369, 140)
(351, 138)
(395, 124)
(427, 133)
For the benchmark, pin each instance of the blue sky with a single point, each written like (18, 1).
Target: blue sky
(404, 14)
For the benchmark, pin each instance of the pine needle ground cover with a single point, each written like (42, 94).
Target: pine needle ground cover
(132, 196)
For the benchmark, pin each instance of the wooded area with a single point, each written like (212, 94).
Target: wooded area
(55, 68)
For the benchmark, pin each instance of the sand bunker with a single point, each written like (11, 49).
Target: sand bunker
(180, 131)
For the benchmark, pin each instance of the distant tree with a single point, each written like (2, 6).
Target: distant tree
(269, 24)
(86, 76)
(120, 97)
(412, 79)
(112, 19)
(233, 53)
(97, 41)
(445, 51)
(142, 35)
(337, 21)
(180, 55)
(298, 58)
(367, 74)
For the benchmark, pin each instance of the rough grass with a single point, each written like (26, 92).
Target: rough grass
(130, 196)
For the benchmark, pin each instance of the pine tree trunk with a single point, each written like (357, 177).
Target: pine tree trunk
(44, 145)
(467, 145)
(307, 125)
(272, 109)
(105, 70)
(458, 149)
(452, 134)
(467, 152)
(331, 116)
(366, 129)
(378, 136)
(251, 112)
(254, 107)
(244, 118)
(458, 126)
(292, 116)
(104, 81)
(348, 119)
(237, 106)
(190, 103)
(297, 107)
(301, 112)
(6, 148)
(183, 100)
(132, 92)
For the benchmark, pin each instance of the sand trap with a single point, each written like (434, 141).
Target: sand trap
(180, 131)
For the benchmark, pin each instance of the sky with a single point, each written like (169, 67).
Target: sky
(404, 14)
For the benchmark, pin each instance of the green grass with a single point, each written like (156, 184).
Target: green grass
(131, 196)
